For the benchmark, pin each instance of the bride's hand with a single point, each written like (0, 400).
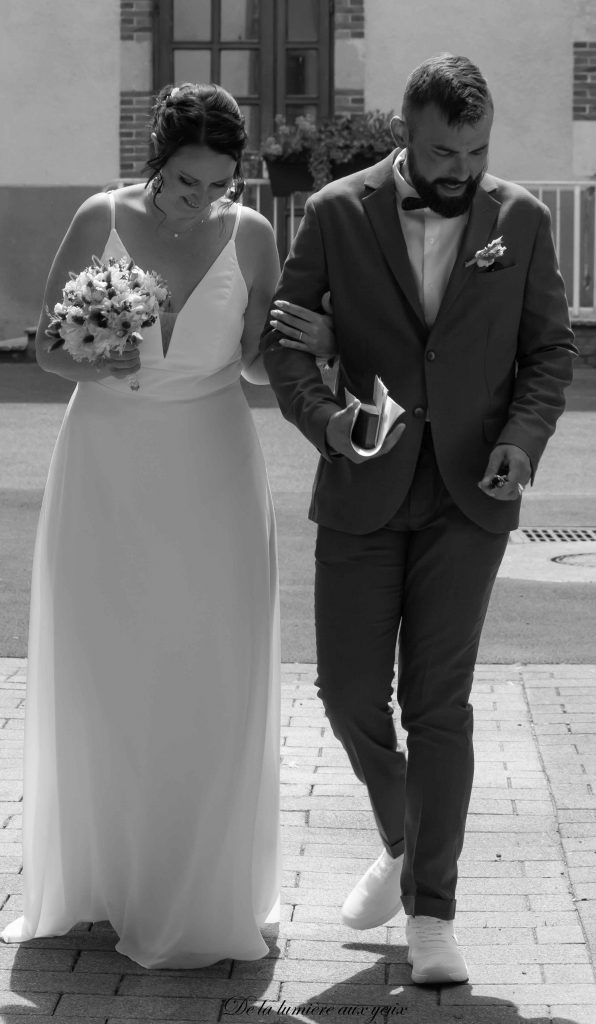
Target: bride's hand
(305, 330)
(119, 364)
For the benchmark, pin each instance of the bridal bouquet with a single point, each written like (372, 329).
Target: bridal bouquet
(104, 307)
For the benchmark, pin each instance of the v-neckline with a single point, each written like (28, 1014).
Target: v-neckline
(190, 294)
(201, 279)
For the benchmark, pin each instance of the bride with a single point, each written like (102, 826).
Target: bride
(152, 746)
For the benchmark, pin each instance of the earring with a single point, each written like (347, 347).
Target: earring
(157, 183)
(236, 189)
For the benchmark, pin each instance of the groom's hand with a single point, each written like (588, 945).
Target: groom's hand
(339, 429)
(507, 473)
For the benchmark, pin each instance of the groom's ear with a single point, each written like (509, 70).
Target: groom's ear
(399, 131)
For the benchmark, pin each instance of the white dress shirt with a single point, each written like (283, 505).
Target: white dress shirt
(432, 242)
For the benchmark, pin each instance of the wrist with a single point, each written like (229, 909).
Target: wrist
(331, 450)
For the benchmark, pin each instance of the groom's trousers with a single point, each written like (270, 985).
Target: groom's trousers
(429, 574)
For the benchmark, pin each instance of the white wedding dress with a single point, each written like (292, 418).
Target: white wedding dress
(152, 726)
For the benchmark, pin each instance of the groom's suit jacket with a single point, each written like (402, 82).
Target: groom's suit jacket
(492, 369)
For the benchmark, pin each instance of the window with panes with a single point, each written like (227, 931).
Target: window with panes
(274, 56)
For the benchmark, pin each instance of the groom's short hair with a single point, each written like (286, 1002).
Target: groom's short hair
(453, 84)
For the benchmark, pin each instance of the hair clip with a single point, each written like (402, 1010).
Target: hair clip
(174, 92)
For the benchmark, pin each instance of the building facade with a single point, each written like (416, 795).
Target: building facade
(77, 79)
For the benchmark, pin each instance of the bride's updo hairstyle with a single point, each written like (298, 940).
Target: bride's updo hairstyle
(197, 115)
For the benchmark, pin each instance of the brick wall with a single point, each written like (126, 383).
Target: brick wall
(349, 24)
(349, 18)
(348, 101)
(135, 16)
(135, 110)
(584, 81)
(136, 26)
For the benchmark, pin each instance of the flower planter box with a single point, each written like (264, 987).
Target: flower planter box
(350, 167)
(286, 176)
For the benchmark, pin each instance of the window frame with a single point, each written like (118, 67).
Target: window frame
(271, 47)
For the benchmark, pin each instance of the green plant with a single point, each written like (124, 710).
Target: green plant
(348, 137)
(290, 142)
(334, 142)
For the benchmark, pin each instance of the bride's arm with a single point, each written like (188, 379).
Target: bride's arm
(85, 238)
(302, 328)
(259, 263)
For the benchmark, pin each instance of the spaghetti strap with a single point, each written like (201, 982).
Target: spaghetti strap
(112, 211)
(236, 222)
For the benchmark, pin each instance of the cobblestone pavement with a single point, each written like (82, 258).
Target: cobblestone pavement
(527, 895)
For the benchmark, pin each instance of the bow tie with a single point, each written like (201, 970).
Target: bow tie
(413, 203)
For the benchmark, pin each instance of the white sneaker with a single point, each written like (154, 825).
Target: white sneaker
(377, 896)
(433, 951)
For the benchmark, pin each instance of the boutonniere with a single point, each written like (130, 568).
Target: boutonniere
(485, 258)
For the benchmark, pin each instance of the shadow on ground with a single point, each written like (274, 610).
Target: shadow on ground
(81, 976)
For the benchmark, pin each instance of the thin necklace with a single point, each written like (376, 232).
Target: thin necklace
(176, 235)
(195, 224)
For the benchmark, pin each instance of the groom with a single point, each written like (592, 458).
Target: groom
(478, 351)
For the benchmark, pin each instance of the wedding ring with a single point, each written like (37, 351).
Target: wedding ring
(300, 336)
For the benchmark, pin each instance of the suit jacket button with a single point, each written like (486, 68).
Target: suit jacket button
(430, 355)
(419, 412)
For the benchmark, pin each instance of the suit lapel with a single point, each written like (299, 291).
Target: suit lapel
(483, 216)
(380, 206)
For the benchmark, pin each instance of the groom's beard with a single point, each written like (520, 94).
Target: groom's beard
(446, 206)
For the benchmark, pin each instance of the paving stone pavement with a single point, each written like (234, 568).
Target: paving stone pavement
(526, 902)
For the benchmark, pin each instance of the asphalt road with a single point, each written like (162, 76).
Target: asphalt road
(529, 620)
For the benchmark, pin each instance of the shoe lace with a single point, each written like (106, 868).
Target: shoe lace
(382, 867)
(431, 934)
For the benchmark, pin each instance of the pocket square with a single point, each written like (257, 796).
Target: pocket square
(496, 265)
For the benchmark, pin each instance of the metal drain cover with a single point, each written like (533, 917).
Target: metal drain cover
(556, 534)
(585, 559)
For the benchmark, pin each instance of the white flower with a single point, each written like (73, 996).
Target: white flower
(73, 334)
(74, 315)
(487, 256)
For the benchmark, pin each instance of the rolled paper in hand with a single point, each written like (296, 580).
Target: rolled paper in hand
(366, 427)
(374, 420)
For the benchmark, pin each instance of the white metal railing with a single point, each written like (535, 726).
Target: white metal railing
(254, 188)
(572, 205)
(279, 210)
